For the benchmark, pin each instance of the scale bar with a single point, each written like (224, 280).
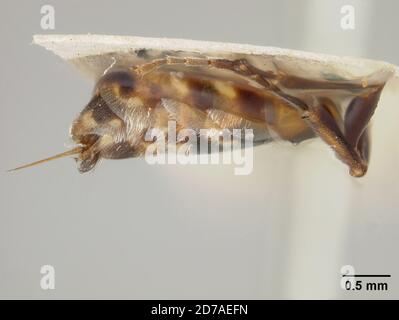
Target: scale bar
(367, 275)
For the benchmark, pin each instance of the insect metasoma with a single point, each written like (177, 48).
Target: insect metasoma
(214, 92)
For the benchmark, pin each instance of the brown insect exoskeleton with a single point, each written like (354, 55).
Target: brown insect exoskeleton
(222, 94)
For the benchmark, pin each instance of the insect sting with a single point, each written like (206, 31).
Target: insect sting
(216, 93)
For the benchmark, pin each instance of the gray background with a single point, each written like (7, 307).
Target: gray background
(131, 230)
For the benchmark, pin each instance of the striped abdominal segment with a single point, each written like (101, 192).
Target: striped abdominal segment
(197, 100)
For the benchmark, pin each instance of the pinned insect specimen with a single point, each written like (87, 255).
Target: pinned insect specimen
(143, 83)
